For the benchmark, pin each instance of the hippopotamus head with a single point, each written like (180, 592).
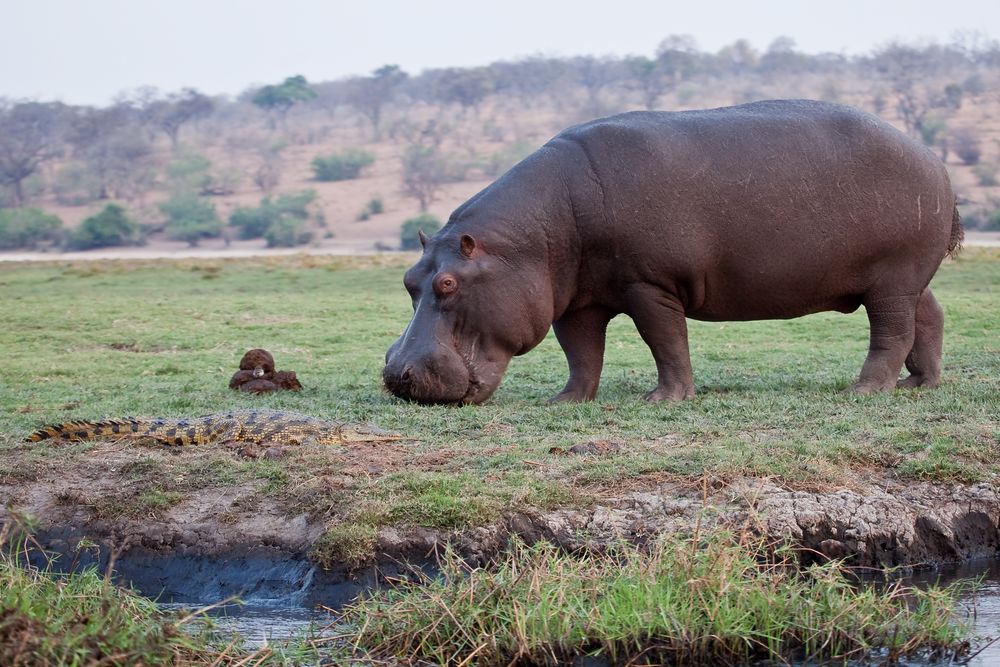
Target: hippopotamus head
(478, 300)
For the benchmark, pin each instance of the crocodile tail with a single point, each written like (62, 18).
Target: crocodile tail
(957, 234)
(77, 431)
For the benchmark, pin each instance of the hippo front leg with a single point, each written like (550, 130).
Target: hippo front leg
(659, 317)
(581, 333)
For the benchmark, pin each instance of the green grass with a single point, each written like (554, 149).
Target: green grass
(100, 339)
(723, 600)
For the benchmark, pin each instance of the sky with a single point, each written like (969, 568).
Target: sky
(89, 51)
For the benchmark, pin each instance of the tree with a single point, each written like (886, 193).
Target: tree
(738, 57)
(116, 150)
(177, 110)
(593, 75)
(424, 172)
(649, 79)
(30, 134)
(781, 57)
(904, 67)
(467, 86)
(371, 93)
(677, 56)
(278, 100)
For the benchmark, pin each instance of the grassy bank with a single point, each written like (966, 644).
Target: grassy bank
(162, 338)
(727, 600)
(723, 600)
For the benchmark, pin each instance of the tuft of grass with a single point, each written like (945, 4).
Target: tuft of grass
(726, 599)
(348, 544)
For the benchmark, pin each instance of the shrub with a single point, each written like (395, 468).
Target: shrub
(409, 238)
(373, 207)
(256, 222)
(286, 232)
(930, 128)
(26, 227)
(992, 222)
(966, 146)
(189, 172)
(987, 175)
(190, 219)
(110, 227)
(341, 166)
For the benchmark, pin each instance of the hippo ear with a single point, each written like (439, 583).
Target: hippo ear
(468, 245)
(423, 238)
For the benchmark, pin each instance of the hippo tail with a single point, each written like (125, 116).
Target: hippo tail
(957, 234)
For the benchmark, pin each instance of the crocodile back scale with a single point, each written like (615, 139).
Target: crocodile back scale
(271, 426)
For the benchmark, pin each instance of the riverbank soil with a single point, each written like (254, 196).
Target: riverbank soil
(771, 441)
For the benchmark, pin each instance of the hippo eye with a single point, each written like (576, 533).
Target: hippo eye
(445, 283)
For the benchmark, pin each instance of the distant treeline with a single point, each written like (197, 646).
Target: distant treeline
(77, 155)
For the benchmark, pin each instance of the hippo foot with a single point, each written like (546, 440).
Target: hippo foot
(914, 381)
(672, 393)
(870, 387)
(573, 396)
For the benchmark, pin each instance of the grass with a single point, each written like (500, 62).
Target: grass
(78, 618)
(723, 600)
(101, 339)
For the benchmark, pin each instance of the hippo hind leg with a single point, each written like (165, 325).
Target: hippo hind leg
(924, 360)
(659, 317)
(892, 321)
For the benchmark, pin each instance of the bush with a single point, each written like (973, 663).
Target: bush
(189, 172)
(409, 238)
(373, 207)
(256, 222)
(26, 227)
(966, 146)
(930, 129)
(987, 175)
(286, 232)
(190, 219)
(992, 223)
(110, 227)
(341, 166)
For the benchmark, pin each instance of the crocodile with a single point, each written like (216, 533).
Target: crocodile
(256, 426)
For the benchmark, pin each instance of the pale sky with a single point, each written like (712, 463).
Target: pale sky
(87, 51)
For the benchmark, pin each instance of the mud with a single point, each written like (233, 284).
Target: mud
(202, 551)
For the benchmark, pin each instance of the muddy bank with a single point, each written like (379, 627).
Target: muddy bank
(198, 553)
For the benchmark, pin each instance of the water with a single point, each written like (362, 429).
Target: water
(981, 610)
(258, 624)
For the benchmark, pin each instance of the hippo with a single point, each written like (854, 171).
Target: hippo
(768, 210)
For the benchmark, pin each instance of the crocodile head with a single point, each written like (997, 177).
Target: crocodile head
(366, 433)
